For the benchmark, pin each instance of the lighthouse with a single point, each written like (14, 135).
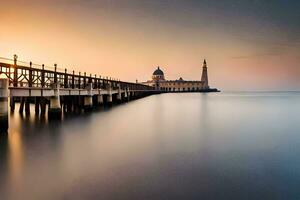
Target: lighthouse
(204, 78)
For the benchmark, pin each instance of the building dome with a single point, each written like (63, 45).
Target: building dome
(158, 75)
(158, 72)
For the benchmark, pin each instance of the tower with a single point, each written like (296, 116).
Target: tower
(204, 77)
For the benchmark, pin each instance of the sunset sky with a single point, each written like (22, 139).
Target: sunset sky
(249, 44)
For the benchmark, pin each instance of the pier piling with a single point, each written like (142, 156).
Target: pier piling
(119, 95)
(100, 99)
(22, 103)
(27, 106)
(12, 104)
(43, 102)
(109, 96)
(88, 99)
(3, 105)
(37, 105)
(128, 94)
(55, 107)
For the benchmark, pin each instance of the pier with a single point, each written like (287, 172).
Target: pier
(53, 90)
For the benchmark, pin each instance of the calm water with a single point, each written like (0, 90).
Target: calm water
(170, 146)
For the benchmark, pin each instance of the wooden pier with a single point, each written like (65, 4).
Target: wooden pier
(56, 90)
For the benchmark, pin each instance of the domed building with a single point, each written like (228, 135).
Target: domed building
(160, 83)
(158, 75)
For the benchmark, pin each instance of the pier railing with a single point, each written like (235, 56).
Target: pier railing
(28, 74)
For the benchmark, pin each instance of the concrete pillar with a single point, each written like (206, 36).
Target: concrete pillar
(43, 103)
(69, 101)
(37, 105)
(64, 103)
(55, 108)
(109, 96)
(78, 104)
(22, 103)
(128, 94)
(100, 99)
(12, 104)
(119, 96)
(27, 106)
(125, 94)
(88, 100)
(75, 104)
(3, 105)
(88, 103)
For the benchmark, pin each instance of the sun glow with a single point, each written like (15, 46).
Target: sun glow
(129, 41)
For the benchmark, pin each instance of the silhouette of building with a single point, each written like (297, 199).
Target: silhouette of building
(160, 83)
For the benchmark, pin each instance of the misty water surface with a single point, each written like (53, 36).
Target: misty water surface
(168, 146)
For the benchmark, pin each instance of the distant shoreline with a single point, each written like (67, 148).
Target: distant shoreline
(199, 91)
(260, 91)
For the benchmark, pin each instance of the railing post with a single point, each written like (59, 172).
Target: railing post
(66, 79)
(55, 73)
(79, 80)
(84, 80)
(15, 82)
(30, 75)
(15, 59)
(90, 79)
(43, 76)
(106, 83)
(99, 83)
(73, 79)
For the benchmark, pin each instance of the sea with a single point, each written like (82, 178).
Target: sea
(227, 145)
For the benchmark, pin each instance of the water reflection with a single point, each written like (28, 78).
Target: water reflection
(16, 156)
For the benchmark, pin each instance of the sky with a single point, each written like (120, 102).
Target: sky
(248, 44)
